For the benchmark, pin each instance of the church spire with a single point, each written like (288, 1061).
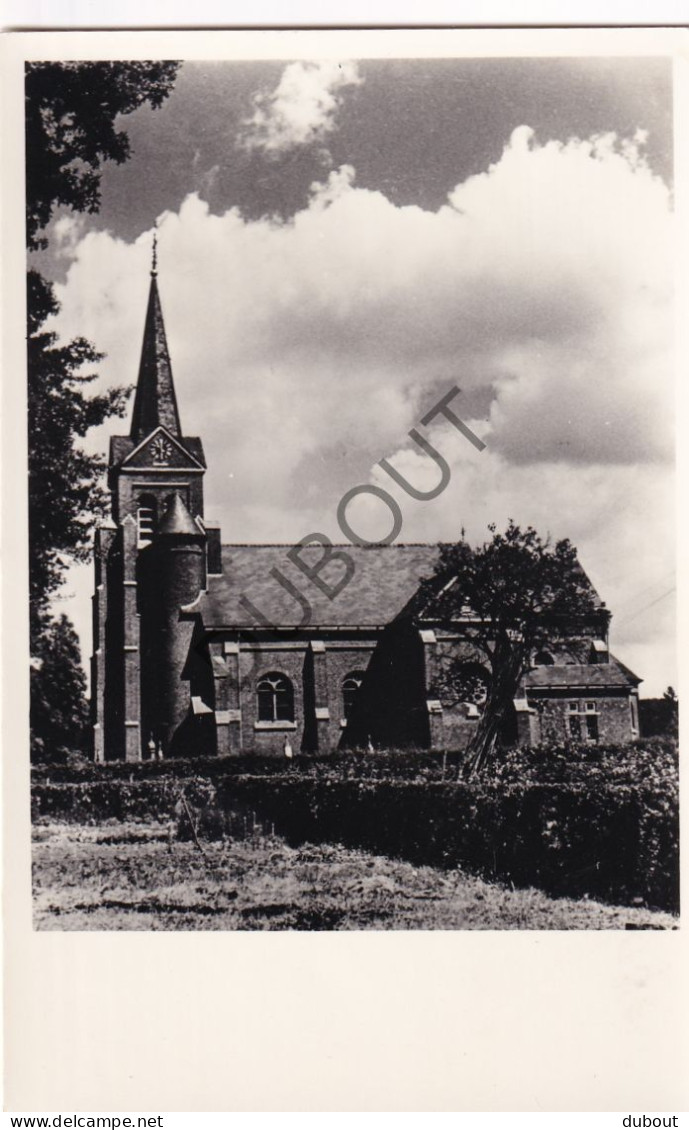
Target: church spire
(155, 402)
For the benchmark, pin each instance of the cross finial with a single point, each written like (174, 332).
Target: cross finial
(154, 256)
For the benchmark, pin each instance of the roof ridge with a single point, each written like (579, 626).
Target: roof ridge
(623, 667)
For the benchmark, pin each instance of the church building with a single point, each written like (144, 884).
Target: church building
(203, 648)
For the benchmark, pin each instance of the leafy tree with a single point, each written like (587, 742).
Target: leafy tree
(59, 711)
(71, 114)
(671, 704)
(72, 110)
(515, 594)
(660, 716)
(66, 489)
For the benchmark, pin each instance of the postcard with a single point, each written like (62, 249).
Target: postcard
(341, 412)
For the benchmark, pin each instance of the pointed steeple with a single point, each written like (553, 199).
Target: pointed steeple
(178, 520)
(155, 402)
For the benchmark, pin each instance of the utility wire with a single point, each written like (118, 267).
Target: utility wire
(642, 592)
(657, 600)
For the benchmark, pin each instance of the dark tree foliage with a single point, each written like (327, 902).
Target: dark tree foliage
(660, 716)
(515, 594)
(59, 714)
(66, 488)
(71, 114)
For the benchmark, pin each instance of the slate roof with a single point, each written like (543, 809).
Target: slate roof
(431, 607)
(570, 675)
(155, 401)
(384, 580)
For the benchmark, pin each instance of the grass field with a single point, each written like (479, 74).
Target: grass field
(136, 876)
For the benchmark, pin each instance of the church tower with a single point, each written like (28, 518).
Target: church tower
(150, 559)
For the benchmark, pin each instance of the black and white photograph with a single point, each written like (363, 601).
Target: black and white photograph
(342, 404)
(351, 493)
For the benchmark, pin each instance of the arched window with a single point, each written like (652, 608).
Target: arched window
(275, 698)
(543, 659)
(350, 690)
(146, 517)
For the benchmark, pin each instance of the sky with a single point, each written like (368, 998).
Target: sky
(342, 243)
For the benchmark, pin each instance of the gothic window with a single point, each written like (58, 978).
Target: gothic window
(275, 698)
(350, 690)
(543, 659)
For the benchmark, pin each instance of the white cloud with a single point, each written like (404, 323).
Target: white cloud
(303, 353)
(67, 231)
(301, 110)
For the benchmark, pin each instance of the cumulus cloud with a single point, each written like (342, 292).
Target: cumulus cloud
(204, 180)
(304, 352)
(301, 110)
(67, 232)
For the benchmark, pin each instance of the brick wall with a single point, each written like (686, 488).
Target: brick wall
(613, 713)
(316, 668)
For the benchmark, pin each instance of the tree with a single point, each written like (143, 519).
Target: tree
(659, 716)
(515, 594)
(59, 711)
(671, 712)
(66, 489)
(71, 111)
(71, 115)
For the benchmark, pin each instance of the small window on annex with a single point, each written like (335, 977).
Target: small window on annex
(275, 698)
(350, 689)
(543, 659)
(582, 721)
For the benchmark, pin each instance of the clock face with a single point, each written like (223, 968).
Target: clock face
(162, 451)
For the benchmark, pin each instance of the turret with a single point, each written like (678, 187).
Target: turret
(172, 574)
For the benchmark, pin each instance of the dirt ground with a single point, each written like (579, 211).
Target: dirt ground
(138, 877)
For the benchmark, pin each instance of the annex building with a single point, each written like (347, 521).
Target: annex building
(202, 647)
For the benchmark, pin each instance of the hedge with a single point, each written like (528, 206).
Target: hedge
(616, 842)
(651, 761)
